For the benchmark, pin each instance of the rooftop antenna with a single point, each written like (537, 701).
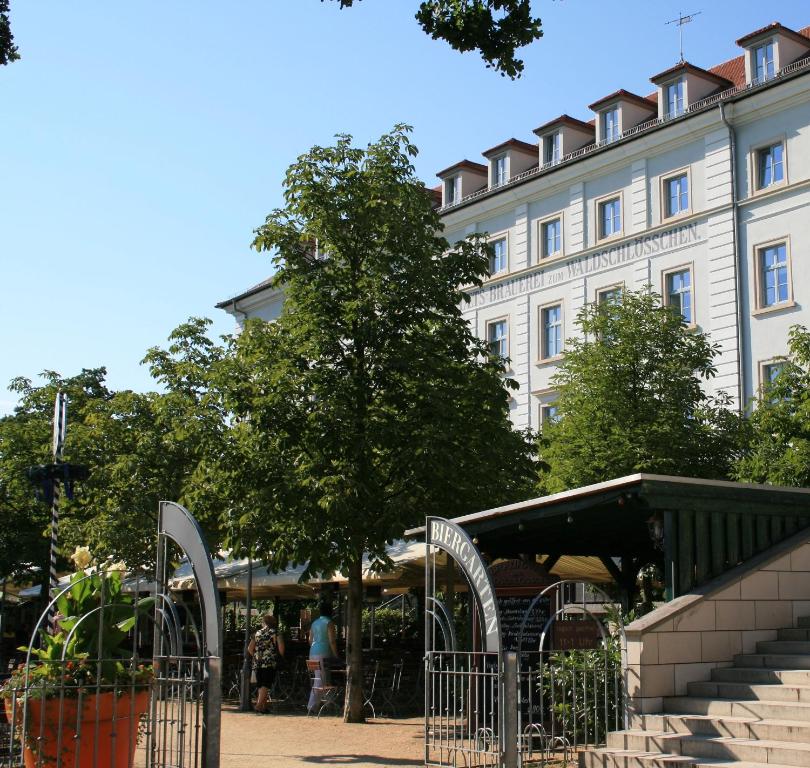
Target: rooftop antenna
(680, 21)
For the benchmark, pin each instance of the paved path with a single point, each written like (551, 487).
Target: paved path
(295, 741)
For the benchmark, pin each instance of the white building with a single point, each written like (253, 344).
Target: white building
(701, 189)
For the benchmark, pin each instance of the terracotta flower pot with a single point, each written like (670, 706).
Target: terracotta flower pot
(104, 733)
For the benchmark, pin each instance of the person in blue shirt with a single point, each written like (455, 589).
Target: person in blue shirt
(322, 646)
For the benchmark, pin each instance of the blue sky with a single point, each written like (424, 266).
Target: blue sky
(141, 143)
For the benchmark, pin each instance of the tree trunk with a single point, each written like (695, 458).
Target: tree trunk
(353, 709)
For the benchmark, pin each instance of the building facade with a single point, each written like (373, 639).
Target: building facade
(700, 189)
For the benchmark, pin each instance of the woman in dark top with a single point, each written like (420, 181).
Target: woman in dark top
(266, 648)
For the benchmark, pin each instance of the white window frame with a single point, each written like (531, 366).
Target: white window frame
(542, 357)
(604, 136)
(755, 65)
(759, 287)
(601, 201)
(665, 273)
(541, 241)
(496, 182)
(492, 321)
(493, 238)
(664, 193)
(549, 140)
(754, 165)
(765, 364)
(681, 107)
(545, 396)
(452, 189)
(603, 289)
(542, 418)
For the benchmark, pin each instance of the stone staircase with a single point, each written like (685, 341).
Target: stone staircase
(751, 715)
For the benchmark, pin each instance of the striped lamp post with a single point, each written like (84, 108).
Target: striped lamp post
(59, 427)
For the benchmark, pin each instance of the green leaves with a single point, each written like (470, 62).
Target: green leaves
(8, 51)
(631, 399)
(779, 449)
(495, 28)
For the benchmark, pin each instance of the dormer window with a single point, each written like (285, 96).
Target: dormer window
(452, 190)
(771, 49)
(499, 172)
(674, 98)
(551, 147)
(763, 61)
(610, 124)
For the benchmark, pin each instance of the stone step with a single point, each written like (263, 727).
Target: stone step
(748, 691)
(774, 660)
(736, 727)
(787, 647)
(752, 750)
(772, 710)
(625, 758)
(615, 758)
(803, 622)
(761, 675)
(792, 633)
(722, 747)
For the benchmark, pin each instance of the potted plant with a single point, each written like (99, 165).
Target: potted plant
(79, 699)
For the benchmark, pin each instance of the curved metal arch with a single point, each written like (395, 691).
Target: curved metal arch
(440, 621)
(540, 595)
(454, 540)
(177, 523)
(448, 622)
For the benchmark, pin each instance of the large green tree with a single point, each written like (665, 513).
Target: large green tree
(631, 399)
(139, 447)
(779, 448)
(496, 28)
(368, 404)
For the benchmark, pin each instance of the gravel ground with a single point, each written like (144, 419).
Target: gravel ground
(288, 741)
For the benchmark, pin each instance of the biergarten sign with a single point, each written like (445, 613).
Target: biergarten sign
(454, 540)
(581, 266)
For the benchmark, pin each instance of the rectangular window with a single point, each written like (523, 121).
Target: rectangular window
(497, 338)
(610, 124)
(452, 190)
(773, 266)
(551, 338)
(763, 57)
(549, 414)
(770, 165)
(499, 171)
(770, 371)
(497, 261)
(676, 195)
(610, 217)
(612, 295)
(551, 233)
(551, 148)
(679, 293)
(674, 95)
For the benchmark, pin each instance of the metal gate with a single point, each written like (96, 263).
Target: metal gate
(544, 698)
(470, 694)
(130, 676)
(571, 693)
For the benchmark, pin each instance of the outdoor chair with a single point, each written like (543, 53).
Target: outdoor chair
(391, 690)
(369, 683)
(329, 694)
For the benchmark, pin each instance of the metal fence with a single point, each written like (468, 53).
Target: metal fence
(123, 675)
(462, 719)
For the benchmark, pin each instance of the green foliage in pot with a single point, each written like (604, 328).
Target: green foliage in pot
(94, 619)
